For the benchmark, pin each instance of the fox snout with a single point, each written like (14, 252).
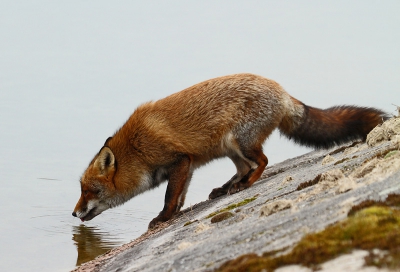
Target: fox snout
(89, 206)
(81, 209)
(87, 212)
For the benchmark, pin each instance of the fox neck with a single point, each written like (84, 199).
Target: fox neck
(128, 185)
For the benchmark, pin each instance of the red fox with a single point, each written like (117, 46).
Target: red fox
(229, 116)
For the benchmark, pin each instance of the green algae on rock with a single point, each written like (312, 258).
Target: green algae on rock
(232, 206)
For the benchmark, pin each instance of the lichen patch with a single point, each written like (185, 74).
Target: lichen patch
(275, 207)
(287, 180)
(365, 168)
(327, 160)
(332, 179)
(384, 132)
(184, 245)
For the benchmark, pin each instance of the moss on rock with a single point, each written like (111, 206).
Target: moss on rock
(232, 206)
(376, 225)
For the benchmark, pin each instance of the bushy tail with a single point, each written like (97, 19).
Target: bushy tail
(324, 128)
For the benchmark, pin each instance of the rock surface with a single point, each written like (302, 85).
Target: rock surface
(293, 198)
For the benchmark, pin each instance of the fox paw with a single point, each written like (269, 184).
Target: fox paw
(217, 192)
(156, 221)
(237, 187)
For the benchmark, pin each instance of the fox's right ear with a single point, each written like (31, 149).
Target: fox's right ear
(105, 161)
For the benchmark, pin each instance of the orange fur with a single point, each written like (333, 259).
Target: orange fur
(229, 116)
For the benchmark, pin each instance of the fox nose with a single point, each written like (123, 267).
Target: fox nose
(74, 214)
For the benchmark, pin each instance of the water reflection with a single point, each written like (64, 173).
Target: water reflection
(90, 242)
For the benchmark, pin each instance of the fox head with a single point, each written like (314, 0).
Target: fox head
(97, 186)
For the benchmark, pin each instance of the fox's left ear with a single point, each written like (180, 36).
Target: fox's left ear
(105, 161)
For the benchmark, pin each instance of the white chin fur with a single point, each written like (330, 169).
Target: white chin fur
(93, 204)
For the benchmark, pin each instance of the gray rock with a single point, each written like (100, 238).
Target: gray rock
(327, 190)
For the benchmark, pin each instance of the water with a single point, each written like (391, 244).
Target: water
(71, 74)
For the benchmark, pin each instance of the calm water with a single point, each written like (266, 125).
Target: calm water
(71, 74)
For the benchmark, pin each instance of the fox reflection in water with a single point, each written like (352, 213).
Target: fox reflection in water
(90, 243)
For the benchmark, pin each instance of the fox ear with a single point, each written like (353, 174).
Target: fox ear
(105, 161)
(108, 139)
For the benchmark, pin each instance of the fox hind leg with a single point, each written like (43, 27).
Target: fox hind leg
(220, 191)
(243, 169)
(256, 156)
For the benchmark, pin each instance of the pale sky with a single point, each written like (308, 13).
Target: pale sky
(72, 72)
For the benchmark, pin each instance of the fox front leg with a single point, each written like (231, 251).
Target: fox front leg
(179, 177)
